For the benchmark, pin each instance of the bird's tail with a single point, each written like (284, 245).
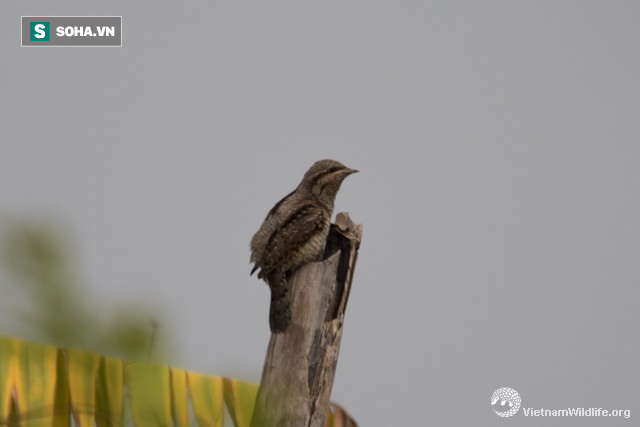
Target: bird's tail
(280, 308)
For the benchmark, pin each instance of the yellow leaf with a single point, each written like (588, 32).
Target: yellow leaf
(9, 371)
(240, 397)
(110, 392)
(179, 397)
(61, 413)
(206, 399)
(82, 370)
(34, 383)
(150, 394)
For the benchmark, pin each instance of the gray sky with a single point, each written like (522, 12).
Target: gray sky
(498, 144)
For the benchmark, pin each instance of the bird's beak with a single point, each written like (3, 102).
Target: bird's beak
(348, 171)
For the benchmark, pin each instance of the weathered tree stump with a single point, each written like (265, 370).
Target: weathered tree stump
(300, 364)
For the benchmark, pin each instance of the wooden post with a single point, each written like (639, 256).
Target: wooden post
(300, 364)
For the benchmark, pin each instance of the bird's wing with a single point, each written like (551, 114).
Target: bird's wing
(296, 230)
(277, 205)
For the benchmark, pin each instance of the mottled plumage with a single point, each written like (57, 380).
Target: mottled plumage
(294, 233)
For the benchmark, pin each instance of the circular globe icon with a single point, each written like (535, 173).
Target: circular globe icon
(505, 402)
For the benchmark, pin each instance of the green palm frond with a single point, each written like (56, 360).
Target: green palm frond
(42, 385)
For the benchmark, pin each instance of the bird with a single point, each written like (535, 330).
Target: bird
(294, 233)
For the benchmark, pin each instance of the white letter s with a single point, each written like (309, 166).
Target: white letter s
(39, 31)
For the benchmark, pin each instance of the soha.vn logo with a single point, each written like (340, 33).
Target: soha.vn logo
(39, 31)
(505, 402)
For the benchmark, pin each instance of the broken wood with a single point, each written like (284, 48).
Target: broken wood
(300, 364)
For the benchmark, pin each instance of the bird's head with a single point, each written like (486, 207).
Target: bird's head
(323, 180)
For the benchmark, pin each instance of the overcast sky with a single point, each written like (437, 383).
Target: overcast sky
(498, 144)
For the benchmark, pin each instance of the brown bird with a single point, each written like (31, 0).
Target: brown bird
(294, 233)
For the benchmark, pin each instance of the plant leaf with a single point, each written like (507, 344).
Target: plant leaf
(206, 399)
